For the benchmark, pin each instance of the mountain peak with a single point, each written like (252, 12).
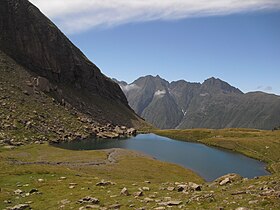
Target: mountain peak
(217, 84)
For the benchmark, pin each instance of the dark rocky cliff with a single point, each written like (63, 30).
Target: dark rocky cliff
(34, 42)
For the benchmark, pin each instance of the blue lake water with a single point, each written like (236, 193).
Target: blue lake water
(210, 163)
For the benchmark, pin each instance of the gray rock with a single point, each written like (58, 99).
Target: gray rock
(42, 84)
(89, 199)
(181, 187)
(20, 207)
(195, 186)
(170, 188)
(138, 194)
(104, 183)
(115, 206)
(124, 191)
(225, 181)
(18, 192)
(148, 200)
(170, 203)
(34, 190)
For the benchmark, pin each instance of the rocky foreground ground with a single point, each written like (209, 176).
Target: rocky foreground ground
(45, 177)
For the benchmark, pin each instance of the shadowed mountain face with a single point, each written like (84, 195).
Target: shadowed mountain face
(212, 104)
(34, 42)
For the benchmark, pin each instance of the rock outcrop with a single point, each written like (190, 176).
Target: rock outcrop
(60, 68)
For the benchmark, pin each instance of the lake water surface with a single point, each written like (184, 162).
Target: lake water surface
(210, 163)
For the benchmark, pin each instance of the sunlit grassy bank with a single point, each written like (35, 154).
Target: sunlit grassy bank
(62, 177)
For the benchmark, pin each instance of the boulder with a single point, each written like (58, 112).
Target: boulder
(170, 188)
(119, 131)
(195, 186)
(104, 183)
(89, 199)
(115, 206)
(138, 194)
(131, 131)
(228, 178)
(108, 135)
(42, 84)
(19, 207)
(225, 181)
(18, 192)
(181, 187)
(124, 191)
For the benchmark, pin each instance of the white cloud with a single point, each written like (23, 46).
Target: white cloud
(79, 15)
(160, 93)
(126, 88)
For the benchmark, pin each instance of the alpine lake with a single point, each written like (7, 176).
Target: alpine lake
(209, 162)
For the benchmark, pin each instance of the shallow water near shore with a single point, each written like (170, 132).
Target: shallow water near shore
(210, 163)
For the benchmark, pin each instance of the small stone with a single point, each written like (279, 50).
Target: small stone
(124, 191)
(104, 183)
(225, 181)
(170, 188)
(89, 199)
(181, 188)
(253, 202)
(92, 207)
(9, 147)
(148, 200)
(167, 198)
(62, 178)
(20, 207)
(241, 208)
(34, 190)
(170, 203)
(138, 194)
(18, 192)
(115, 206)
(160, 208)
(40, 180)
(195, 186)
(71, 187)
(65, 201)
(145, 188)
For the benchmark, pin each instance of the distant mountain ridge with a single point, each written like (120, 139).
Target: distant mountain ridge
(212, 104)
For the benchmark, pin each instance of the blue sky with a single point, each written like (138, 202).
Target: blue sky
(240, 46)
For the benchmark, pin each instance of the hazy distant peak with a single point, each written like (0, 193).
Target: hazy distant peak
(212, 104)
(218, 84)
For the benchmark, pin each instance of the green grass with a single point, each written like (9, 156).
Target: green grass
(131, 169)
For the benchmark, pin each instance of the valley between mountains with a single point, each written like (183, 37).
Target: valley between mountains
(50, 92)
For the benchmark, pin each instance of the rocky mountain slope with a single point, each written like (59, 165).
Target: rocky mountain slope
(212, 104)
(39, 63)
